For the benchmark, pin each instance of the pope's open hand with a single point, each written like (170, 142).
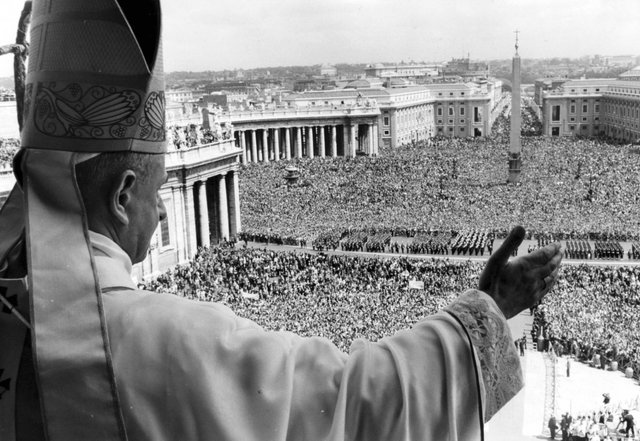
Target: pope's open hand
(522, 282)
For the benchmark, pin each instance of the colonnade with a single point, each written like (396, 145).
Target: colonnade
(285, 143)
(217, 208)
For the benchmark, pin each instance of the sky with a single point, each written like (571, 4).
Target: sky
(223, 34)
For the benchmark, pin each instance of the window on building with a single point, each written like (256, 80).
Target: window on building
(555, 113)
(572, 128)
(450, 121)
(462, 129)
(477, 115)
(439, 129)
(385, 120)
(462, 121)
(461, 111)
(164, 232)
(584, 90)
(439, 121)
(584, 119)
(386, 133)
(450, 111)
(462, 93)
(451, 129)
(597, 90)
(583, 127)
(596, 127)
(572, 119)
(439, 111)
(596, 108)
(572, 108)
(585, 108)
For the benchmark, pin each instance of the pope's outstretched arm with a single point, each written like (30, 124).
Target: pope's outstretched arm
(186, 369)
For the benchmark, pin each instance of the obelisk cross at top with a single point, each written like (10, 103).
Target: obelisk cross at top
(516, 32)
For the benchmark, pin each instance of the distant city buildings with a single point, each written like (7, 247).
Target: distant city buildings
(465, 69)
(7, 95)
(328, 70)
(630, 75)
(400, 113)
(402, 70)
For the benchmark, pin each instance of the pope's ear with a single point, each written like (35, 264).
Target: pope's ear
(121, 196)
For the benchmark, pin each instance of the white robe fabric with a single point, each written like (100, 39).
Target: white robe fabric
(188, 370)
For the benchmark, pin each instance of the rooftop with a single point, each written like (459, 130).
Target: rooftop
(590, 82)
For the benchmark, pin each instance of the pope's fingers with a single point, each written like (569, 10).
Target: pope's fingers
(549, 281)
(542, 255)
(506, 249)
(547, 268)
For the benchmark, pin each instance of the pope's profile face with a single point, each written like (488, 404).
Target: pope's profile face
(147, 209)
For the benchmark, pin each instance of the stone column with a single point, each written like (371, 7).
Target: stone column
(321, 141)
(223, 209)
(265, 146)
(376, 137)
(233, 198)
(287, 143)
(298, 142)
(204, 214)
(178, 231)
(276, 144)
(334, 142)
(191, 237)
(243, 146)
(370, 149)
(254, 147)
(310, 142)
(353, 140)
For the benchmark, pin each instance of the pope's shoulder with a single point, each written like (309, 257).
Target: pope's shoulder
(169, 313)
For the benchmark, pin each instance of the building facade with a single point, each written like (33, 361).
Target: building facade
(265, 135)
(416, 113)
(621, 105)
(574, 108)
(462, 111)
(606, 107)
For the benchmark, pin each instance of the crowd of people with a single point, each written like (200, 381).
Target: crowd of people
(530, 124)
(570, 189)
(340, 297)
(8, 149)
(591, 311)
(194, 135)
(604, 425)
(634, 251)
(428, 243)
(593, 314)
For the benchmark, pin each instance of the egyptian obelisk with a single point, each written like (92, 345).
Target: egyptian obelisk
(515, 149)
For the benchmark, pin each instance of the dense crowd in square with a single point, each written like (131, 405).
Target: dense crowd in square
(570, 189)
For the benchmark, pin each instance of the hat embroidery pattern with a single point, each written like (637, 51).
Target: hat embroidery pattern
(154, 111)
(97, 112)
(27, 98)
